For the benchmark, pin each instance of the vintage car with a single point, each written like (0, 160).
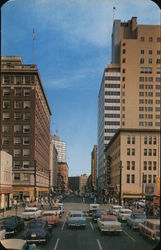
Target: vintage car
(12, 224)
(37, 231)
(134, 220)
(93, 208)
(51, 217)
(150, 229)
(123, 214)
(114, 209)
(97, 214)
(109, 223)
(31, 213)
(16, 244)
(76, 219)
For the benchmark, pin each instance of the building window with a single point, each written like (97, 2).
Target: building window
(150, 39)
(142, 52)
(145, 152)
(5, 128)
(149, 178)
(17, 152)
(133, 165)
(123, 60)
(17, 164)
(150, 52)
(128, 140)
(145, 165)
(17, 140)
(127, 178)
(142, 38)
(19, 80)
(150, 165)
(26, 141)
(123, 51)
(150, 152)
(26, 92)
(6, 104)
(27, 115)
(18, 104)
(154, 152)
(17, 115)
(26, 164)
(6, 92)
(27, 104)
(144, 178)
(133, 139)
(150, 140)
(26, 177)
(150, 60)
(154, 178)
(154, 140)
(128, 151)
(16, 177)
(26, 152)
(5, 140)
(8, 79)
(158, 39)
(128, 165)
(158, 61)
(26, 128)
(132, 178)
(133, 151)
(18, 92)
(141, 60)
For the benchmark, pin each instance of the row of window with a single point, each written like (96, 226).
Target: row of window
(112, 107)
(17, 164)
(112, 78)
(17, 128)
(17, 104)
(148, 101)
(112, 115)
(17, 92)
(142, 60)
(149, 116)
(17, 115)
(110, 130)
(149, 79)
(26, 177)
(150, 52)
(145, 86)
(148, 109)
(112, 93)
(150, 165)
(147, 152)
(18, 80)
(115, 123)
(17, 140)
(112, 100)
(112, 86)
(150, 124)
(146, 178)
(21, 152)
(150, 39)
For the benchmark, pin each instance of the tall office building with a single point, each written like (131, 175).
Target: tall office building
(60, 147)
(108, 114)
(136, 50)
(25, 126)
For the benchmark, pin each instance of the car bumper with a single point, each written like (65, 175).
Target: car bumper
(77, 225)
(110, 230)
(36, 240)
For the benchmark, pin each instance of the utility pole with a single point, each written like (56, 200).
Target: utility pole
(35, 180)
(120, 183)
(142, 184)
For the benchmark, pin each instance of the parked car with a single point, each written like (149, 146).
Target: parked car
(31, 213)
(139, 204)
(37, 231)
(93, 208)
(16, 244)
(12, 224)
(124, 213)
(150, 229)
(109, 223)
(114, 209)
(51, 217)
(97, 214)
(76, 219)
(134, 220)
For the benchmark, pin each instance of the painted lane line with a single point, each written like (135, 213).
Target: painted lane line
(63, 226)
(99, 245)
(91, 226)
(56, 245)
(128, 235)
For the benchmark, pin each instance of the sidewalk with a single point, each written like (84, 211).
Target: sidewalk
(11, 212)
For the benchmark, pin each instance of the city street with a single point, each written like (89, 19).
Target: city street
(90, 238)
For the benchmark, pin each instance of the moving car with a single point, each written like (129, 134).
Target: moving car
(76, 219)
(37, 231)
(109, 223)
(114, 209)
(124, 213)
(97, 214)
(93, 208)
(12, 224)
(150, 229)
(134, 220)
(31, 213)
(51, 217)
(16, 244)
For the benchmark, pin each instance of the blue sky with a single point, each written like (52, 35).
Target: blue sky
(72, 48)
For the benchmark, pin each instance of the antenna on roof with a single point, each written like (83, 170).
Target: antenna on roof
(33, 38)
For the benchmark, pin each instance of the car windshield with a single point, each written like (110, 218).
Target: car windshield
(139, 216)
(8, 221)
(36, 225)
(76, 215)
(125, 212)
(108, 219)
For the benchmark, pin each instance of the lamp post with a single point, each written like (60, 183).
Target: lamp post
(120, 183)
(34, 180)
(142, 185)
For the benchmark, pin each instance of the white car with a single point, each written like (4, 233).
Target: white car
(114, 209)
(16, 244)
(31, 213)
(124, 213)
(76, 219)
(109, 223)
(93, 208)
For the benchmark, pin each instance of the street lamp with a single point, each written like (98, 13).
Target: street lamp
(120, 183)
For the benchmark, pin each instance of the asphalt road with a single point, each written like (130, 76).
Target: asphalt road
(90, 238)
